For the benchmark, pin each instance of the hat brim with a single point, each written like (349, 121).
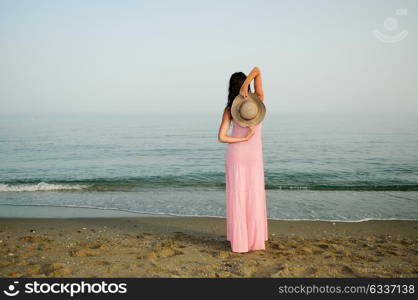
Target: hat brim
(236, 104)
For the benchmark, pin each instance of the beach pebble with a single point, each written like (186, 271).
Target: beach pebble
(11, 254)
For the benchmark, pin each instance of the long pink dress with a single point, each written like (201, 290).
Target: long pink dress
(246, 214)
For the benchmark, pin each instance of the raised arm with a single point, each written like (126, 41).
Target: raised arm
(223, 136)
(255, 75)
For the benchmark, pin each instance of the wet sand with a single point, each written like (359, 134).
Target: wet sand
(197, 247)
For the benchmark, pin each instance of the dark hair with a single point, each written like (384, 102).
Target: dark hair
(235, 84)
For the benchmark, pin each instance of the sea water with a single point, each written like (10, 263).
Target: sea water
(317, 167)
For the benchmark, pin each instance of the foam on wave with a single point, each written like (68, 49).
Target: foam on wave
(41, 186)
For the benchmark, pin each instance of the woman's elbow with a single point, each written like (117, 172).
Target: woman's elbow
(221, 139)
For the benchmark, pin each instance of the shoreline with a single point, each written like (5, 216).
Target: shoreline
(197, 247)
(68, 212)
(11, 211)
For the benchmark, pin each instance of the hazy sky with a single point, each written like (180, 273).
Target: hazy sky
(136, 57)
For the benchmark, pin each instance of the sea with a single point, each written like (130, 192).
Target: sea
(317, 167)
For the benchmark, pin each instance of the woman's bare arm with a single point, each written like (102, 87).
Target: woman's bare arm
(223, 130)
(255, 75)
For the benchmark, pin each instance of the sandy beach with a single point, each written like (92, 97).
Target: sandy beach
(197, 247)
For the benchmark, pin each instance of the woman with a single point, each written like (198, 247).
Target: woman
(244, 172)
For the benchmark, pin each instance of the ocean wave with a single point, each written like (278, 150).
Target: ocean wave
(38, 187)
(208, 181)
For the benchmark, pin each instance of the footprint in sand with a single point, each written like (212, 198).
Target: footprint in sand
(55, 269)
(270, 271)
(394, 253)
(163, 250)
(217, 254)
(87, 249)
(322, 246)
(346, 270)
(96, 246)
(35, 239)
(82, 252)
(309, 271)
(99, 263)
(277, 246)
(295, 271)
(305, 251)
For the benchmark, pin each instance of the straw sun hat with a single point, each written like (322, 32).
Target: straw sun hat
(249, 112)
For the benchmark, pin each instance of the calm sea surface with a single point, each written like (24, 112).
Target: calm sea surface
(346, 168)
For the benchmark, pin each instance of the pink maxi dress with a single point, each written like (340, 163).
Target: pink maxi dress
(246, 214)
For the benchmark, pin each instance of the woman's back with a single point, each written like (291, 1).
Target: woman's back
(243, 152)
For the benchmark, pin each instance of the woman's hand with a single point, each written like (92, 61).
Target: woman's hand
(255, 75)
(251, 132)
(244, 91)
